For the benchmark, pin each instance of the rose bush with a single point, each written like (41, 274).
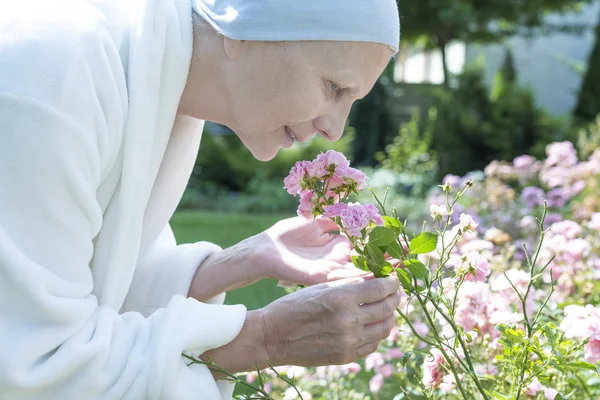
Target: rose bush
(501, 296)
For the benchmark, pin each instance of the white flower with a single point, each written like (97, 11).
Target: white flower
(467, 224)
(438, 212)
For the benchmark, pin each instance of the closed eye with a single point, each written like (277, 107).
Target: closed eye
(335, 90)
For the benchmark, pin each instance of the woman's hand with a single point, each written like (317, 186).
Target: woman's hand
(305, 252)
(327, 324)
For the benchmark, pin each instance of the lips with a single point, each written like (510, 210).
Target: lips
(291, 134)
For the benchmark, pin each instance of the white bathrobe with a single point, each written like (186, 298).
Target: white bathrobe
(93, 163)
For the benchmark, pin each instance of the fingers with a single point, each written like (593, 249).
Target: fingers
(366, 349)
(345, 272)
(379, 311)
(377, 289)
(326, 224)
(378, 331)
(348, 281)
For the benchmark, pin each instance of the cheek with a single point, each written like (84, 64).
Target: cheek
(301, 101)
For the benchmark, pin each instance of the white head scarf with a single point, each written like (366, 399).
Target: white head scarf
(292, 20)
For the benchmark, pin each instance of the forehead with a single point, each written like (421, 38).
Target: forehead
(345, 59)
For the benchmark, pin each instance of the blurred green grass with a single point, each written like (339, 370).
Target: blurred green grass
(227, 229)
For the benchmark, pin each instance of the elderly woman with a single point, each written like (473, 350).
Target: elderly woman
(101, 110)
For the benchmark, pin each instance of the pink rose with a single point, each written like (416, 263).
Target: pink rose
(346, 175)
(373, 360)
(394, 353)
(592, 350)
(386, 370)
(534, 387)
(332, 157)
(374, 214)
(550, 393)
(473, 266)
(433, 373)
(293, 182)
(306, 208)
(376, 383)
(335, 210)
(594, 221)
(523, 162)
(354, 219)
(316, 169)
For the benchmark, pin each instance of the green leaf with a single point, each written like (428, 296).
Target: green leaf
(417, 268)
(424, 242)
(404, 279)
(381, 271)
(381, 236)
(393, 224)
(375, 254)
(360, 263)
(499, 396)
(395, 250)
(583, 365)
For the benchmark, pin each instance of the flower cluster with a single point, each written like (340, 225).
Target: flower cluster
(583, 323)
(500, 290)
(323, 186)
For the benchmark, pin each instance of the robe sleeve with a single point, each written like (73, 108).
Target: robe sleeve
(166, 270)
(57, 135)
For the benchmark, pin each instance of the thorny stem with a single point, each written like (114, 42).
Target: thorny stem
(412, 328)
(441, 348)
(464, 347)
(531, 325)
(214, 367)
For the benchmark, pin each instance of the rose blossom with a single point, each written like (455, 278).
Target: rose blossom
(346, 175)
(386, 370)
(433, 373)
(316, 169)
(534, 387)
(473, 266)
(523, 162)
(374, 214)
(293, 182)
(583, 323)
(550, 393)
(335, 210)
(568, 229)
(467, 224)
(307, 205)
(376, 383)
(354, 216)
(561, 153)
(332, 157)
(594, 221)
(438, 211)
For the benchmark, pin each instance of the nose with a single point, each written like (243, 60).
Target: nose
(332, 123)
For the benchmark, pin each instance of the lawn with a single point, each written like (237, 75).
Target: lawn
(226, 229)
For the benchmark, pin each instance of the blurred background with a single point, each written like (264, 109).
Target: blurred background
(475, 81)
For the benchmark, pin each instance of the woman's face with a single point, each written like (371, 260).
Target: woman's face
(297, 88)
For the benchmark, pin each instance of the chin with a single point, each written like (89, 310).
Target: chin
(265, 155)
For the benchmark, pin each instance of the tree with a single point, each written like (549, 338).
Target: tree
(436, 23)
(588, 105)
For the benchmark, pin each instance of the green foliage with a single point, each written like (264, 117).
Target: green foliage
(372, 122)
(435, 23)
(588, 139)
(474, 128)
(411, 152)
(588, 105)
(424, 242)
